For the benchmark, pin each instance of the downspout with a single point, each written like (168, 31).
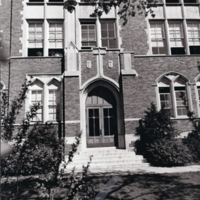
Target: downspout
(11, 9)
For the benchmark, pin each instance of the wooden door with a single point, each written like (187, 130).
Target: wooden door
(101, 121)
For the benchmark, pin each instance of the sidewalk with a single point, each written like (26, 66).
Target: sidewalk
(145, 170)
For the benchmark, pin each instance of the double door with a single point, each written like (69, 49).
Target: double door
(101, 126)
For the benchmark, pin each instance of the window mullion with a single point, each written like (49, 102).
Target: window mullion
(173, 97)
(188, 96)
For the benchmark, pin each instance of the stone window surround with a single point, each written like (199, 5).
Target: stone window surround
(46, 38)
(172, 86)
(47, 83)
(166, 20)
(98, 35)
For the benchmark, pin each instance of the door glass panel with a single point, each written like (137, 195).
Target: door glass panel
(94, 122)
(109, 125)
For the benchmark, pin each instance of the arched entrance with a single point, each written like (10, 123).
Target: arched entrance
(101, 118)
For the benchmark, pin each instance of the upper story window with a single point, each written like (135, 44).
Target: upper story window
(56, 39)
(35, 41)
(176, 38)
(108, 34)
(56, 35)
(194, 37)
(174, 95)
(158, 38)
(88, 32)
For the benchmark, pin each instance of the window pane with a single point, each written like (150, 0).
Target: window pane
(91, 127)
(91, 36)
(106, 126)
(104, 43)
(111, 33)
(97, 127)
(112, 43)
(104, 34)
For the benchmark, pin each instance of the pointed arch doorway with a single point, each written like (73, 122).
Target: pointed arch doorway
(101, 118)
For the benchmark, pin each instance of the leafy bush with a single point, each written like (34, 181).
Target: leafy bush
(193, 139)
(40, 153)
(168, 153)
(157, 141)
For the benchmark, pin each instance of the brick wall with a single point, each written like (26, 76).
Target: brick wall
(111, 72)
(138, 92)
(72, 100)
(134, 35)
(21, 67)
(86, 73)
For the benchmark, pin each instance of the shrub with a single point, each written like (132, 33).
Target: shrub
(40, 153)
(168, 153)
(193, 139)
(157, 141)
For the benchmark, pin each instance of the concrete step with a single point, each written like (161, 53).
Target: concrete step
(109, 157)
(111, 168)
(106, 159)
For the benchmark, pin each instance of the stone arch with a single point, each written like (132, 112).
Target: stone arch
(114, 91)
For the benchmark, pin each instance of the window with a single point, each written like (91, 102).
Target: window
(158, 38)
(35, 42)
(194, 37)
(165, 98)
(108, 34)
(56, 35)
(173, 92)
(176, 38)
(88, 35)
(56, 39)
(45, 90)
(52, 104)
(181, 101)
(36, 98)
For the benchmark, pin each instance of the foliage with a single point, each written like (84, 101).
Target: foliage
(37, 150)
(126, 7)
(168, 153)
(40, 153)
(193, 139)
(75, 184)
(157, 140)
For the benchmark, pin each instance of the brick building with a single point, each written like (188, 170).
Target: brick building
(96, 75)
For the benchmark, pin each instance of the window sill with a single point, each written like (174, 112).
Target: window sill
(130, 72)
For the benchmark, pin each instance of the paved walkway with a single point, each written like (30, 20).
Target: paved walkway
(148, 169)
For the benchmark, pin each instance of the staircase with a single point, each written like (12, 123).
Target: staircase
(106, 159)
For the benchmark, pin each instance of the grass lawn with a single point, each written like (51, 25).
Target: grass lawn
(176, 186)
